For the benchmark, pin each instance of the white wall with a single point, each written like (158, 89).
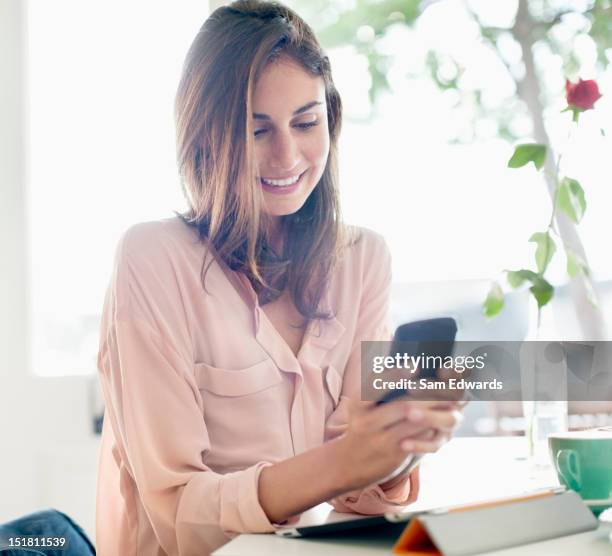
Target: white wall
(48, 454)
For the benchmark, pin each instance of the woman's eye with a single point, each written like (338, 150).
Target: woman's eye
(306, 125)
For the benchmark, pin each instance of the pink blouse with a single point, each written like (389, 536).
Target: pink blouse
(202, 392)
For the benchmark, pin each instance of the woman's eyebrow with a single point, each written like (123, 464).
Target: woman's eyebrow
(300, 110)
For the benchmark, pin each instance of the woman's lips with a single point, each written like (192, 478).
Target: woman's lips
(282, 189)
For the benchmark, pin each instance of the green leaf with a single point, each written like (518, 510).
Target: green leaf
(494, 302)
(545, 249)
(542, 291)
(573, 267)
(526, 153)
(540, 288)
(517, 277)
(570, 199)
(576, 265)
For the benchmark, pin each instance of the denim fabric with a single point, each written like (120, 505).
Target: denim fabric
(46, 523)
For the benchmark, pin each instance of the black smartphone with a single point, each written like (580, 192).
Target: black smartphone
(430, 337)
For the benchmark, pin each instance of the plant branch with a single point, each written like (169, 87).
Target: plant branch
(590, 318)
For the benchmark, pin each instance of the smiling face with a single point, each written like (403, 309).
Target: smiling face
(291, 135)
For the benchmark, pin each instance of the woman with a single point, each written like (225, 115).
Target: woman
(230, 342)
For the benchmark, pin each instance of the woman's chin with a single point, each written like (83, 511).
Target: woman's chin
(278, 206)
(276, 211)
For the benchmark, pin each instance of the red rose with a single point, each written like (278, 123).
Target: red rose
(582, 95)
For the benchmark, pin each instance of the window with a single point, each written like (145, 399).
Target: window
(102, 79)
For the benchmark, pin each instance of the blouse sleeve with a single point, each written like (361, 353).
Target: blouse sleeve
(373, 324)
(152, 401)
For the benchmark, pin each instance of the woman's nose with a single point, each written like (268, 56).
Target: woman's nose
(284, 155)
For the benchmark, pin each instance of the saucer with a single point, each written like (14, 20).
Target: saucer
(598, 506)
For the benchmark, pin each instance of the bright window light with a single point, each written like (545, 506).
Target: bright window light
(102, 79)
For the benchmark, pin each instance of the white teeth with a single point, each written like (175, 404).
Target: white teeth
(281, 183)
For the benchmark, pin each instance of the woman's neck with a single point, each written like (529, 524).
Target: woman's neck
(276, 234)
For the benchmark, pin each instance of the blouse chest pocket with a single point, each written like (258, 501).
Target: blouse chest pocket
(245, 411)
(239, 382)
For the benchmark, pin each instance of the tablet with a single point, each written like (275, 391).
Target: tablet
(338, 524)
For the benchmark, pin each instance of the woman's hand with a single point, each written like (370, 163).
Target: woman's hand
(380, 438)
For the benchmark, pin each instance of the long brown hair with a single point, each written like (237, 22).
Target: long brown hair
(215, 153)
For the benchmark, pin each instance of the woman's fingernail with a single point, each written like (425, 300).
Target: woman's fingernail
(407, 445)
(415, 415)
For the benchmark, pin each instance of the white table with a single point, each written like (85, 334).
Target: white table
(465, 470)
